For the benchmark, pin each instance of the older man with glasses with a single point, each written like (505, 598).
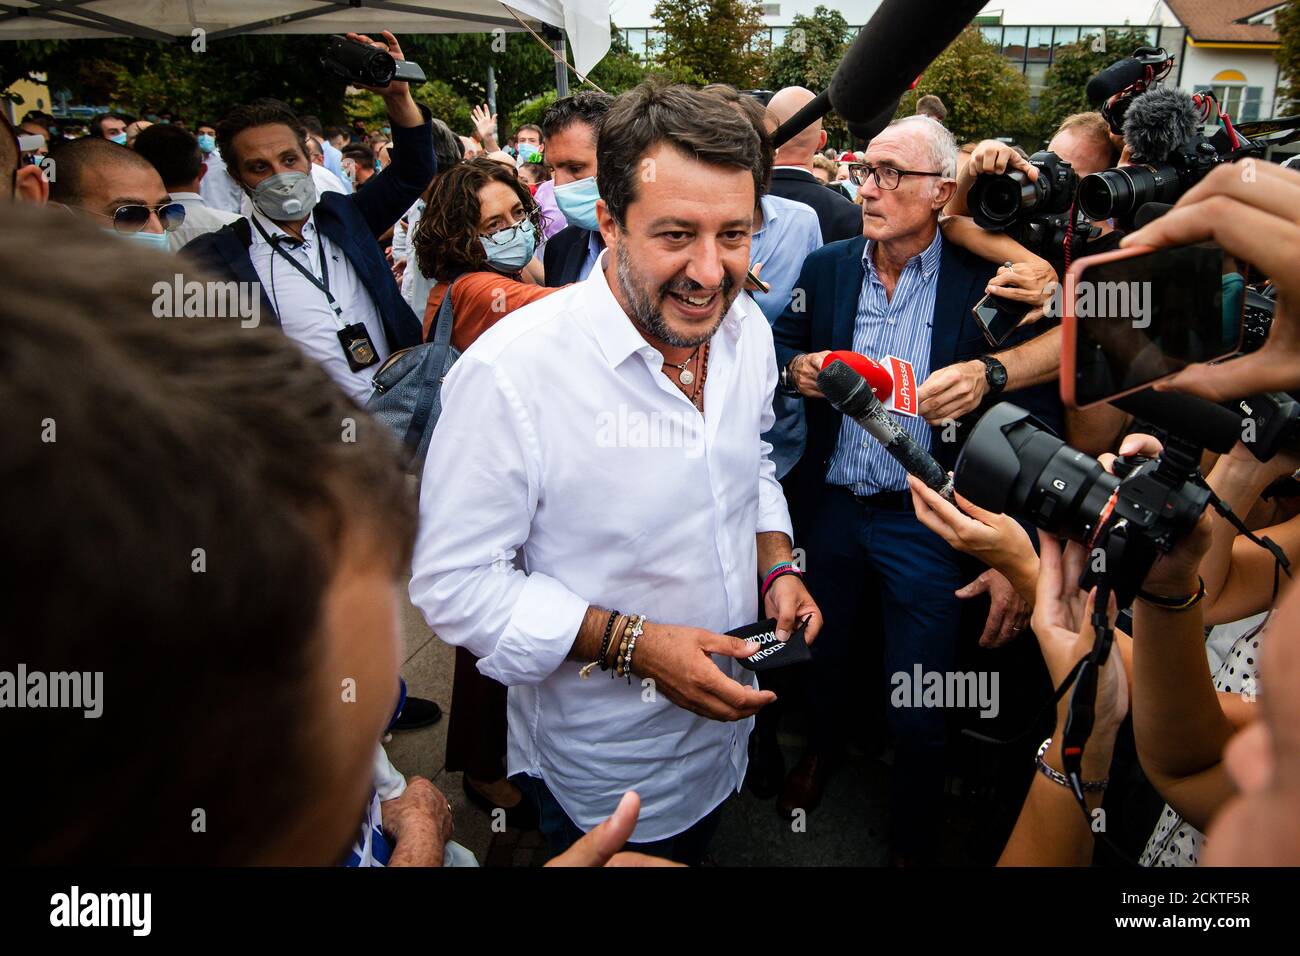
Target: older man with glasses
(897, 290)
(118, 187)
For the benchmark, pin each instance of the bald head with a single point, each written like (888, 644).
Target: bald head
(799, 150)
(99, 176)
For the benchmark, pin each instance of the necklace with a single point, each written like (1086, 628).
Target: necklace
(685, 375)
(697, 395)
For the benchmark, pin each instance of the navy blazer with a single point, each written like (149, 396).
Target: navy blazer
(353, 223)
(564, 255)
(832, 280)
(839, 216)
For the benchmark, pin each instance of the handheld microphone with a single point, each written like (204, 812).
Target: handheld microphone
(877, 376)
(897, 44)
(1158, 122)
(849, 393)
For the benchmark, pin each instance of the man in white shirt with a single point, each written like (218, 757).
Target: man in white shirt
(175, 153)
(598, 458)
(219, 191)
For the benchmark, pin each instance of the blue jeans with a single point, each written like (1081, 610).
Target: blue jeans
(850, 546)
(561, 833)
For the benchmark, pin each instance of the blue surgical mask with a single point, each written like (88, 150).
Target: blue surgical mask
(119, 138)
(577, 201)
(152, 240)
(207, 142)
(510, 249)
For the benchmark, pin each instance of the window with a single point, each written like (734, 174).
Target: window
(1013, 43)
(1240, 101)
(1066, 35)
(993, 35)
(1040, 44)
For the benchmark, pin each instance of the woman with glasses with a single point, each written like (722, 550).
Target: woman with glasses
(480, 232)
(478, 235)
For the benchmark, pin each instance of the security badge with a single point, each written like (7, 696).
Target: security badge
(357, 347)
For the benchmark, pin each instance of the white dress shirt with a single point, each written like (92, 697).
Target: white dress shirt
(217, 187)
(200, 218)
(568, 470)
(305, 313)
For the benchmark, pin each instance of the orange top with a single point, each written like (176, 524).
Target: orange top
(480, 301)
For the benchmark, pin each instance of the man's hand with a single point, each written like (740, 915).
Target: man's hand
(1252, 210)
(1008, 611)
(804, 370)
(485, 127)
(399, 270)
(789, 602)
(953, 391)
(996, 539)
(419, 821)
(600, 847)
(676, 658)
(994, 156)
(402, 110)
(1032, 282)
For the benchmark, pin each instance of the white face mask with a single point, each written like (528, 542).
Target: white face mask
(285, 197)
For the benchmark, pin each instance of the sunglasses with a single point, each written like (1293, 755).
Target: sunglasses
(135, 216)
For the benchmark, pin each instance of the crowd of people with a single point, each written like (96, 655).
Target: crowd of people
(632, 460)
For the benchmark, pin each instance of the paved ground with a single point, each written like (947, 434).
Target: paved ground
(847, 830)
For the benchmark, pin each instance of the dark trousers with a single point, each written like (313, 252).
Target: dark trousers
(476, 726)
(851, 546)
(561, 833)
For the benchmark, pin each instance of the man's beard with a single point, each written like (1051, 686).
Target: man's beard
(648, 314)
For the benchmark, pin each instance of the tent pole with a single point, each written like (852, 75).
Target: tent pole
(561, 71)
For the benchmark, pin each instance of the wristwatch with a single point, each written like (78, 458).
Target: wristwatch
(995, 374)
(787, 380)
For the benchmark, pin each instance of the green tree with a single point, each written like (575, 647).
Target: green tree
(714, 41)
(1072, 66)
(985, 95)
(808, 56)
(1288, 58)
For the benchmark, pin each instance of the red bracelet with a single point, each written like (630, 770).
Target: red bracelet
(779, 572)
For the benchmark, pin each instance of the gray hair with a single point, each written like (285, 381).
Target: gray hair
(939, 146)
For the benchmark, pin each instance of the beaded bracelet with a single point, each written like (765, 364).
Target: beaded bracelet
(625, 659)
(586, 670)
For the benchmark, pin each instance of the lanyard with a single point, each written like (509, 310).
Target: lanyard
(323, 283)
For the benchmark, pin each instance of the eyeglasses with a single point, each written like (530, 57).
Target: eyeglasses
(135, 216)
(887, 177)
(506, 234)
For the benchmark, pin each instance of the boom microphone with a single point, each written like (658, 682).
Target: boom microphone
(849, 392)
(1158, 122)
(892, 50)
(871, 129)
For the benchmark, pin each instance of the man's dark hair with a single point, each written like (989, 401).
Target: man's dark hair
(174, 152)
(446, 241)
(186, 502)
(337, 131)
(695, 123)
(587, 106)
(312, 124)
(258, 113)
(448, 150)
(363, 153)
(97, 124)
(208, 123)
(73, 157)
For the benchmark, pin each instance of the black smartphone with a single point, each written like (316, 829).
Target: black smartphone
(998, 317)
(1135, 316)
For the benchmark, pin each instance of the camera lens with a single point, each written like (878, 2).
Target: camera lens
(997, 201)
(1013, 464)
(1118, 193)
(379, 67)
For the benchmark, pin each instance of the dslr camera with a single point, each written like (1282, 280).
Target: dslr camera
(367, 65)
(1036, 213)
(1013, 464)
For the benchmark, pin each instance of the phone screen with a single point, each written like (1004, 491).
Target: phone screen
(998, 317)
(1143, 318)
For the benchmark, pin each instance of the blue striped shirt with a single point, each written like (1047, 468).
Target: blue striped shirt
(900, 327)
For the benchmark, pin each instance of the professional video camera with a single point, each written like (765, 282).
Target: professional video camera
(367, 65)
(1013, 464)
(1163, 129)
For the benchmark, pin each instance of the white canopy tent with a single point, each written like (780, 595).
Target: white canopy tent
(586, 22)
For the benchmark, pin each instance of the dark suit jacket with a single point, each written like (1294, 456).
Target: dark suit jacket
(832, 279)
(353, 223)
(840, 218)
(564, 255)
